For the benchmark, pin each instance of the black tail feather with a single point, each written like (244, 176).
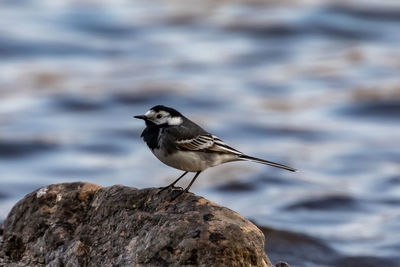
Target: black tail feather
(263, 161)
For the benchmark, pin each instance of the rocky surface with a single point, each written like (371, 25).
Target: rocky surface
(83, 224)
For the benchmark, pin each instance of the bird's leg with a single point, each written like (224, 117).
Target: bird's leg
(188, 187)
(172, 185)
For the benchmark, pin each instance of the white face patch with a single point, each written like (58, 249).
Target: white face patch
(161, 117)
(174, 121)
(149, 113)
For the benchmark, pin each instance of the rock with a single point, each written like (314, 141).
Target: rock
(296, 247)
(282, 264)
(83, 224)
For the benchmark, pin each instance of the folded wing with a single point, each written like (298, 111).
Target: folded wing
(209, 142)
(206, 142)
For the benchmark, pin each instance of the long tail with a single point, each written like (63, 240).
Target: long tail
(262, 161)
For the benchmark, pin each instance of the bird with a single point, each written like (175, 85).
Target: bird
(182, 144)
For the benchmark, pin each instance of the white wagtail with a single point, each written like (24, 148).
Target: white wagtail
(180, 143)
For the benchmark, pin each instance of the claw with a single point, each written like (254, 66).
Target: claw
(178, 194)
(177, 188)
(169, 187)
(162, 189)
(173, 184)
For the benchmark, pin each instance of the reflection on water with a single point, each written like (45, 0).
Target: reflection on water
(314, 85)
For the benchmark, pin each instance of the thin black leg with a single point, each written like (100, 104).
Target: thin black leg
(171, 185)
(188, 187)
(191, 182)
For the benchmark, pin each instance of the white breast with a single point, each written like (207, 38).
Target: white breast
(193, 161)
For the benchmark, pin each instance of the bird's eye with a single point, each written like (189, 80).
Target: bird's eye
(159, 116)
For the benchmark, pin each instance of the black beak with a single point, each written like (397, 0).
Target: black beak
(142, 117)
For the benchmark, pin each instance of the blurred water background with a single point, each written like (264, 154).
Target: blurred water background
(311, 84)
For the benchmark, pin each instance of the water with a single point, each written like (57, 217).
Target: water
(314, 85)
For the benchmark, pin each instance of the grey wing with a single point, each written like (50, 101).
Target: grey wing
(200, 142)
(206, 142)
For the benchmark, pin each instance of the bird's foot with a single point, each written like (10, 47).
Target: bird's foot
(176, 195)
(179, 193)
(173, 187)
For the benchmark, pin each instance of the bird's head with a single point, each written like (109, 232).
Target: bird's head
(159, 115)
